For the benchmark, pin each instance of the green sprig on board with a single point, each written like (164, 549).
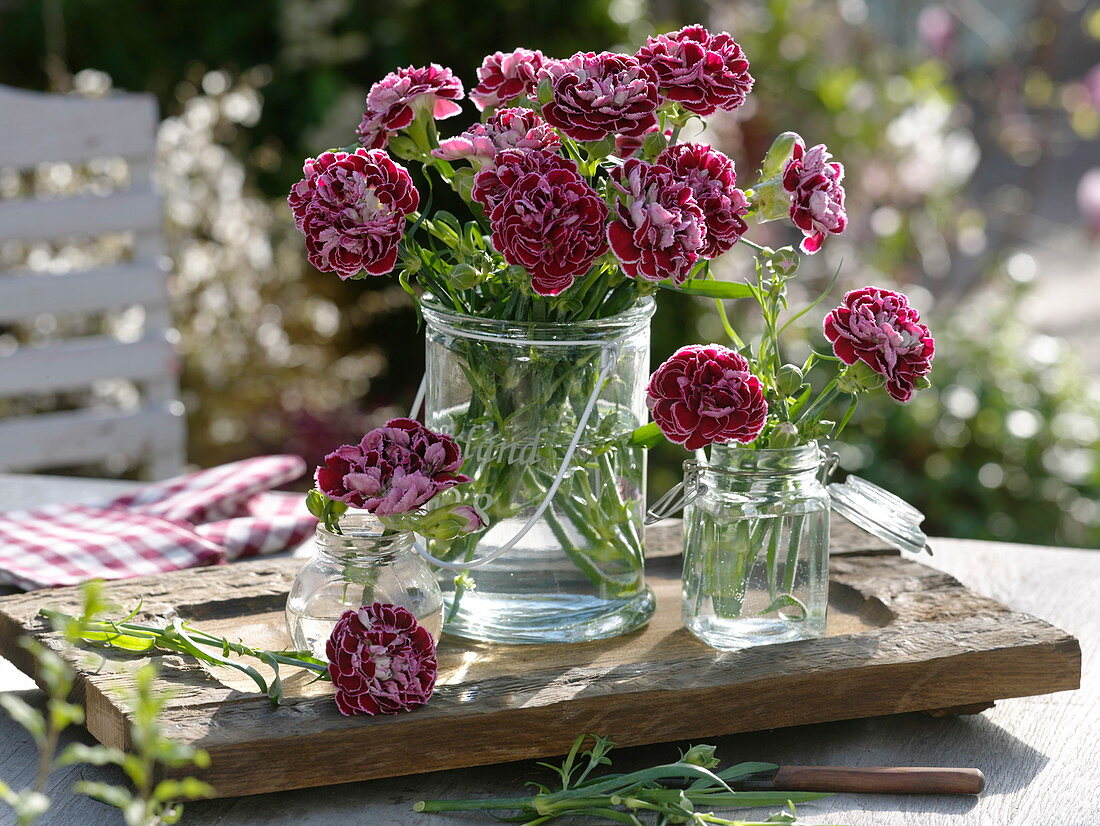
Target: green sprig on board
(686, 791)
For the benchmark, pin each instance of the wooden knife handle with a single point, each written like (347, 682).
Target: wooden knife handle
(882, 780)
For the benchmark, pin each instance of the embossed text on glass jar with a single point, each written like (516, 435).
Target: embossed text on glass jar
(357, 568)
(756, 548)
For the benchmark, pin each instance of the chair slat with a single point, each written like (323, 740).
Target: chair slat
(87, 215)
(88, 291)
(39, 128)
(81, 436)
(77, 363)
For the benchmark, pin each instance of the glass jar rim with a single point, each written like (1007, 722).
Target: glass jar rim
(434, 312)
(363, 536)
(762, 461)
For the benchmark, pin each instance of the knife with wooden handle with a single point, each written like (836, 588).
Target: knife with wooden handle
(865, 779)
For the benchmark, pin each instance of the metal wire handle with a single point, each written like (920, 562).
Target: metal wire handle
(682, 494)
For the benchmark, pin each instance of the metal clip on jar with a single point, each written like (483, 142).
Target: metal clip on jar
(358, 567)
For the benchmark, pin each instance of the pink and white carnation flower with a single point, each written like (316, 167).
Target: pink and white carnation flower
(596, 95)
(352, 209)
(659, 229)
(713, 180)
(395, 101)
(706, 395)
(381, 661)
(393, 470)
(503, 77)
(879, 328)
(817, 198)
(701, 71)
(505, 129)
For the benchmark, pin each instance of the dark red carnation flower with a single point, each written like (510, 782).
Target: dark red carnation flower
(879, 328)
(394, 469)
(552, 224)
(393, 102)
(817, 198)
(706, 395)
(700, 70)
(351, 209)
(492, 183)
(713, 180)
(381, 661)
(593, 96)
(659, 228)
(505, 77)
(505, 129)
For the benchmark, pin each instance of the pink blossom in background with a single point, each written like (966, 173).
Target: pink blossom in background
(492, 183)
(700, 70)
(351, 209)
(503, 77)
(552, 224)
(394, 469)
(1088, 199)
(659, 228)
(394, 101)
(713, 180)
(937, 27)
(706, 395)
(879, 328)
(505, 129)
(593, 96)
(381, 661)
(817, 198)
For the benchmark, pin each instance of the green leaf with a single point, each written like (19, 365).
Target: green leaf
(713, 289)
(648, 435)
(92, 755)
(787, 601)
(117, 796)
(29, 718)
(189, 788)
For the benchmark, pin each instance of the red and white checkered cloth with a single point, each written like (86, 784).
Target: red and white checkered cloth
(204, 518)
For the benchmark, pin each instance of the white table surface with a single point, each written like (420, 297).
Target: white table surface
(1040, 754)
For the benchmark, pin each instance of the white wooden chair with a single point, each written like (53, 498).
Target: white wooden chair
(40, 128)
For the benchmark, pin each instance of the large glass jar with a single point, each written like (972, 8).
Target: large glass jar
(515, 396)
(356, 568)
(756, 547)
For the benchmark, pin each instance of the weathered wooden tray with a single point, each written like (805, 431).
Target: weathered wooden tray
(901, 637)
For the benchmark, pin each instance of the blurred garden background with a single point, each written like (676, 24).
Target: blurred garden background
(968, 130)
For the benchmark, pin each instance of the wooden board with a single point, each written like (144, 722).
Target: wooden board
(901, 637)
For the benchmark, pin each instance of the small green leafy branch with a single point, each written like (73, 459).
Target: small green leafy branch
(149, 803)
(686, 791)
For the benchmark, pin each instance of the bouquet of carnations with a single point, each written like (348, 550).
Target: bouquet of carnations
(583, 201)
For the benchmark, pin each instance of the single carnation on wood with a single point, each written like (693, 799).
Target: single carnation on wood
(351, 209)
(552, 224)
(503, 77)
(593, 96)
(395, 469)
(394, 101)
(817, 198)
(713, 180)
(505, 129)
(701, 71)
(659, 228)
(381, 661)
(706, 395)
(879, 328)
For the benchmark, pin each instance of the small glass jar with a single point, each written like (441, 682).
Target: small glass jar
(356, 568)
(756, 546)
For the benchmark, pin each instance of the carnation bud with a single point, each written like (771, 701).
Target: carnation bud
(654, 144)
(858, 378)
(788, 379)
(701, 755)
(546, 91)
(450, 522)
(769, 201)
(778, 155)
(784, 434)
(465, 277)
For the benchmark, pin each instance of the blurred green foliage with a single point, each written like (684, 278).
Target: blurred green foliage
(280, 357)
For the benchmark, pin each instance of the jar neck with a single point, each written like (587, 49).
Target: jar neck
(774, 461)
(363, 540)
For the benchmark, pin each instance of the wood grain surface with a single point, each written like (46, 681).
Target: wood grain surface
(902, 637)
